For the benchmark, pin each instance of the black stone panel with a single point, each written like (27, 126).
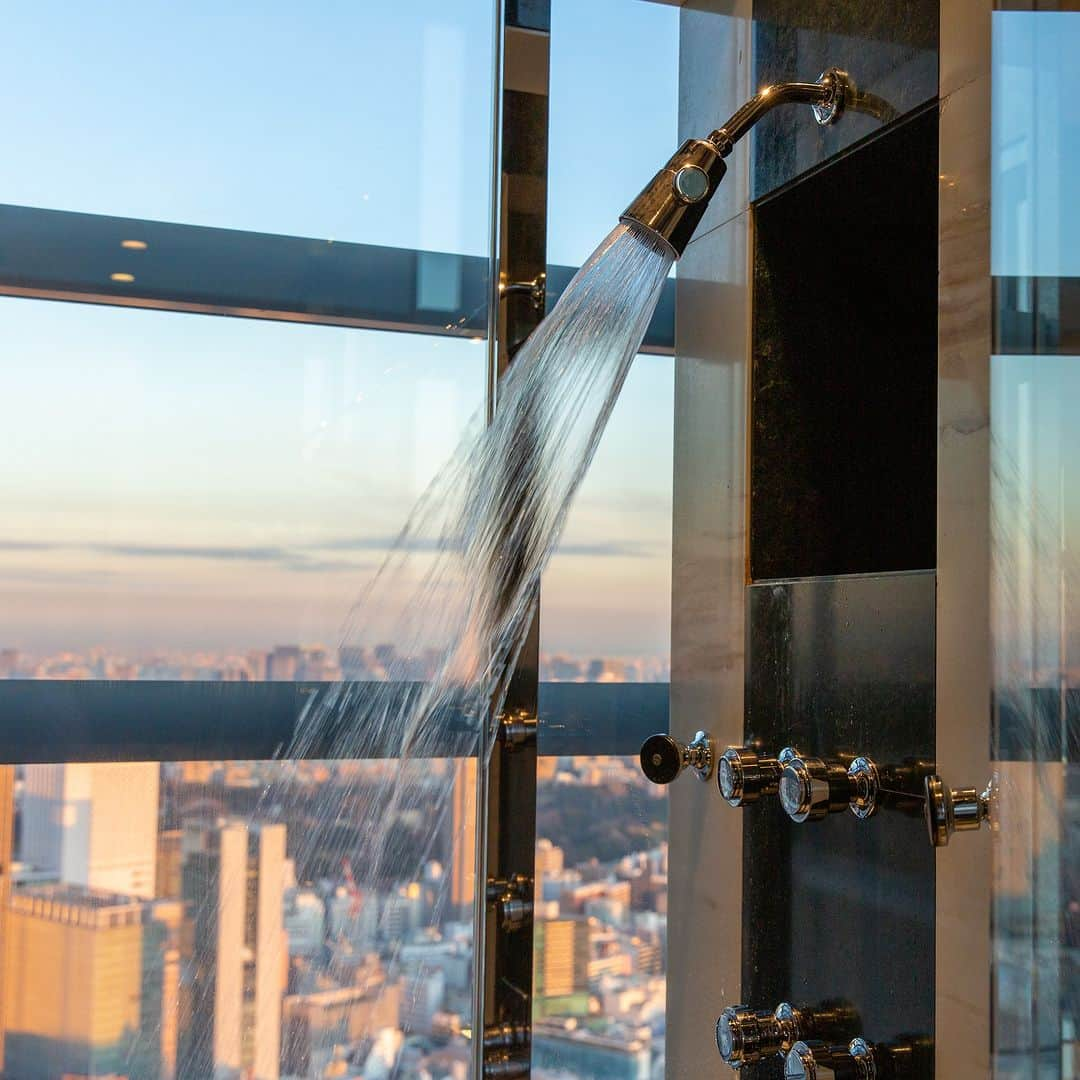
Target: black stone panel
(844, 378)
(841, 908)
(889, 47)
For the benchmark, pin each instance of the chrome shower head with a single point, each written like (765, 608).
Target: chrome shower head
(673, 203)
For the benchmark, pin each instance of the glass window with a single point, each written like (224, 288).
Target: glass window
(198, 498)
(327, 120)
(601, 860)
(1035, 384)
(202, 498)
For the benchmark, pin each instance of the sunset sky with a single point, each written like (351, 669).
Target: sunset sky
(181, 482)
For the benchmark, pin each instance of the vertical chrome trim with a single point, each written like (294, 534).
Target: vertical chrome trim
(506, 781)
(964, 676)
(712, 339)
(480, 803)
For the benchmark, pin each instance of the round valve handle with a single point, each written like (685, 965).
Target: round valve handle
(950, 810)
(812, 788)
(745, 1036)
(815, 1060)
(743, 775)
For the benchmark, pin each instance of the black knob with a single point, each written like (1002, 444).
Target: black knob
(663, 757)
(743, 776)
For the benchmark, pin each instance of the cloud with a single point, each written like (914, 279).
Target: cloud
(194, 551)
(611, 549)
(26, 545)
(381, 543)
(602, 548)
(292, 559)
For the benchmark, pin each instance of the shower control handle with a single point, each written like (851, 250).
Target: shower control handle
(950, 810)
(663, 757)
(812, 788)
(815, 1060)
(743, 775)
(745, 1036)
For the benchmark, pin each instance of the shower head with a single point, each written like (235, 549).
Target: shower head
(673, 203)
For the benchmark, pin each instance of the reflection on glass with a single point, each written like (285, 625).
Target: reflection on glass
(600, 941)
(365, 122)
(606, 596)
(1036, 517)
(1036, 144)
(1036, 535)
(197, 498)
(201, 919)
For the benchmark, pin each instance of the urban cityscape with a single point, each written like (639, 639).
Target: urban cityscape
(310, 663)
(204, 919)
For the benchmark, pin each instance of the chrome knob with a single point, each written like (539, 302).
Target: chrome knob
(745, 1036)
(865, 787)
(743, 776)
(817, 1061)
(811, 788)
(950, 810)
(908, 1057)
(663, 757)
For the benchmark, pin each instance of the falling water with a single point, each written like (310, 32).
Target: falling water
(461, 581)
(458, 591)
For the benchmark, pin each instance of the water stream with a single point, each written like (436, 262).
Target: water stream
(458, 593)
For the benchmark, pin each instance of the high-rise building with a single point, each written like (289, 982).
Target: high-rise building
(283, 664)
(233, 882)
(93, 824)
(168, 877)
(317, 1025)
(89, 980)
(561, 967)
(550, 860)
(463, 838)
(7, 839)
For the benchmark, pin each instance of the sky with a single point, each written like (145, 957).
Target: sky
(183, 482)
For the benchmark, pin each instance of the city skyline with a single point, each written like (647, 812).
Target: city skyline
(241, 962)
(305, 663)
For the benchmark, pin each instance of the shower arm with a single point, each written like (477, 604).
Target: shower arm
(670, 207)
(827, 96)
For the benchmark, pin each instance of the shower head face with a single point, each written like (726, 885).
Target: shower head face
(673, 203)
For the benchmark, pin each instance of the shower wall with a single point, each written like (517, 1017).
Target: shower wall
(840, 599)
(815, 466)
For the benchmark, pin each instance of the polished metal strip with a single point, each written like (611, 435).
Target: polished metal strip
(60, 255)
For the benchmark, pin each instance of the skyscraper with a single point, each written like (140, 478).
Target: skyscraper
(233, 881)
(561, 967)
(463, 838)
(7, 817)
(87, 982)
(93, 825)
(550, 859)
